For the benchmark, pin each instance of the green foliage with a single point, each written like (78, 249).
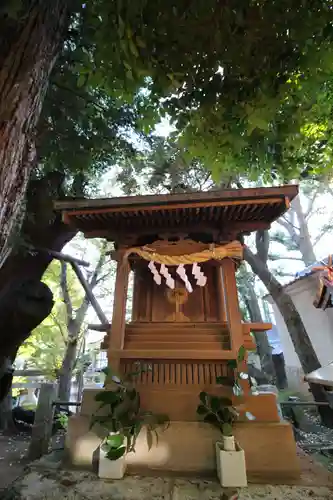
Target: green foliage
(247, 84)
(124, 418)
(115, 446)
(45, 348)
(217, 411)
(84, 129)
(62, 418)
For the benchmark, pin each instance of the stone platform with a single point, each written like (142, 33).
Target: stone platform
(188, 448)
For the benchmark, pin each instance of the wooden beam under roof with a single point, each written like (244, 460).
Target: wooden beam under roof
(173, 206)
(235, 227)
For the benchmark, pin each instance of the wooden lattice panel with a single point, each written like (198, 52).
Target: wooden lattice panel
(183, 373)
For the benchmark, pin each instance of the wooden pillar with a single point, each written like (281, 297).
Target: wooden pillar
(220, 295)
(232, 311)
(136, 284)
(117, 334)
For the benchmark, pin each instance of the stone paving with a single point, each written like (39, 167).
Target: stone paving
(55, 484)
(46, 479)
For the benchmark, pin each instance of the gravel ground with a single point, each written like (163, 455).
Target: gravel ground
(72, 485)
(315, 438)
(46, 480)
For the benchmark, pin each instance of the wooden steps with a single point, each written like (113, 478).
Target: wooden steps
(155, 354)
(177, 336)
(157, 344)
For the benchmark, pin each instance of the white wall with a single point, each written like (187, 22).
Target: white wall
(318, 323)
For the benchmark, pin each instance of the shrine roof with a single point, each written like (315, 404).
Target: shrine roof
(244, 209)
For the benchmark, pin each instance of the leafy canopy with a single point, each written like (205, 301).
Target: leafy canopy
(247, 83)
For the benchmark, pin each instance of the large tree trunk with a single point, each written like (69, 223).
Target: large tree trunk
(24, 300)
(68, 363)
(29, 46)
(66, 371)
(298, 334)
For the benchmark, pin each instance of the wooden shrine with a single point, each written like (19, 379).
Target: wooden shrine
(183, 250)
(323, 299)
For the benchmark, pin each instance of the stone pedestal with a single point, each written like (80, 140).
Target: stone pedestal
(189, 448)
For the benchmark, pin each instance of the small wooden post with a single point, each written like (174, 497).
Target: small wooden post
(233, 315)
(117, 335)
(221, 301)
(42, 428)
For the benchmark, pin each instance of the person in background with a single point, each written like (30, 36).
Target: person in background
(277, 357)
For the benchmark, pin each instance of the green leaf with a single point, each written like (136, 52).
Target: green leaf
(115, 440)
(149, 439)
(116, 453)
(129, 75)
(203, 397)
(121, 27)
(137, 428)
(107, 397)
(133, 48)
(224, 381)
(140, 43)
(211, 419)
(82, 79)
(214, 403)
(232, 363)
(201, 410)
(108, 372)
(241, 353)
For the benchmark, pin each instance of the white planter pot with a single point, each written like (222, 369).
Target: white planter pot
(111, 469)
(231, 466)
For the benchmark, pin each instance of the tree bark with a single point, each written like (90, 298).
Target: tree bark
(41, 228)
(74, 326)
(264, 349)
(29, 47)
(69, 360)
(298, 334)
(304, 239)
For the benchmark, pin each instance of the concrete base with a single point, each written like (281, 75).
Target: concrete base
(189, 448)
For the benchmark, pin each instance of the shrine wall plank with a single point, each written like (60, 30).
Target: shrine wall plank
(151, 303)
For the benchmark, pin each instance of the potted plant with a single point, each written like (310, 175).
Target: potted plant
(122, 419)
(221, 413)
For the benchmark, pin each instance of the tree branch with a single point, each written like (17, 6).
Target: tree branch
(290, 228)
(87, 288)
(281, 257)
(60, 326)
(262, 245)
(65, 292)
(311, 202)
(325, 229)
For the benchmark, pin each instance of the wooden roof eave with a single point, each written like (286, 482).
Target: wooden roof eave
(134, 202)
